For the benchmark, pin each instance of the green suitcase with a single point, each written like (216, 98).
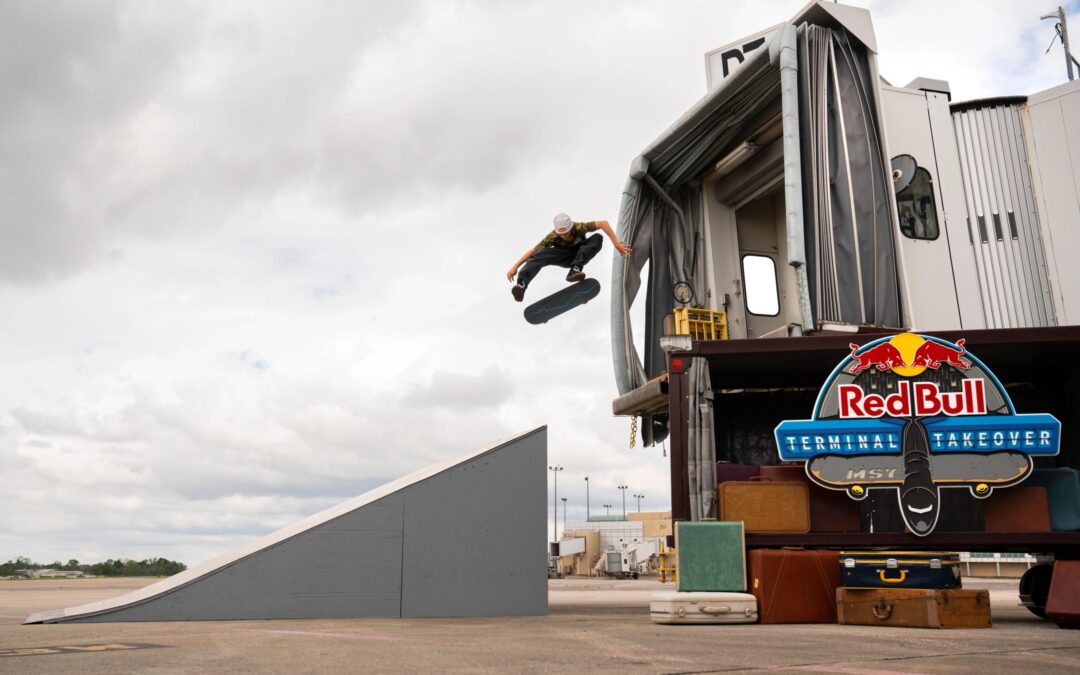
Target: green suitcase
(710, 556)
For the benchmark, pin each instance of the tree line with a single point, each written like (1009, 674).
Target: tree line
(151, 567)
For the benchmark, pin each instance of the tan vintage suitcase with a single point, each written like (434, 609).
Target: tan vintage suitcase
(766, 506)
(913, 607)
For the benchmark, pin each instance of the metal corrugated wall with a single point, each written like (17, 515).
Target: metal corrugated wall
(1002, 224)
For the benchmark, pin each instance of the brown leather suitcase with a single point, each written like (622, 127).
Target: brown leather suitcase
(795, 586)
(913, 607)
(1017, 509)
(830, 510)
(1063, 602)
(766, 506)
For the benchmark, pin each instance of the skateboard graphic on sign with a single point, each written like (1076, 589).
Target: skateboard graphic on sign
(562, 301)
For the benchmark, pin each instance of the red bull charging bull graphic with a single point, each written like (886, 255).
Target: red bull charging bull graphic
(916, 414)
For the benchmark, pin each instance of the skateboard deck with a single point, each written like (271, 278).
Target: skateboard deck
(557, 303)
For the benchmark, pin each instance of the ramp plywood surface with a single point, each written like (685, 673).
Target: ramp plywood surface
(454, 539)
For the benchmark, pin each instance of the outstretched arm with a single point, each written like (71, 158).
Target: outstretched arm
(520, 261)
(622, 248)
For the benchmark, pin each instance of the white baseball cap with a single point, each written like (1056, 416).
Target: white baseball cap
(563, 223)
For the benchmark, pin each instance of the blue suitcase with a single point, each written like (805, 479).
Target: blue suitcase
(1062, 494)
(899, 569)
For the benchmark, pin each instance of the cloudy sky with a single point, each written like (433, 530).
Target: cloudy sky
(252, 254)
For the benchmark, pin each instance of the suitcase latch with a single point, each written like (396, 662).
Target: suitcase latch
(882, 610)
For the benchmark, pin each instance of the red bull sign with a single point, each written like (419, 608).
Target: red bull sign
(916, 414)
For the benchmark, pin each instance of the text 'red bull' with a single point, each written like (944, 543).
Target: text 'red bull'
(919, 399)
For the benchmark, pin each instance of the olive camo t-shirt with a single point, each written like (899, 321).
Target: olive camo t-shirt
(577, 232)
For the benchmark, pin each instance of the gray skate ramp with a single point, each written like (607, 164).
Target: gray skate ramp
(463, 537)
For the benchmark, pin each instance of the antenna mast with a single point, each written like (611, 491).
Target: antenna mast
(1062, 29)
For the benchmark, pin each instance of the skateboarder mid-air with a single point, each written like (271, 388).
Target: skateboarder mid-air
(568, 245)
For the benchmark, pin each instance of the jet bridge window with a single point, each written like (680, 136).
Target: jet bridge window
(759, 277)
(915, 204)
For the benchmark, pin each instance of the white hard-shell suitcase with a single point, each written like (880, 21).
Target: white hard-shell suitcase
(703, 607)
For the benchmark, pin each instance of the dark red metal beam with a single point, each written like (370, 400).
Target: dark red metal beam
(1065, 544)
(678, 400)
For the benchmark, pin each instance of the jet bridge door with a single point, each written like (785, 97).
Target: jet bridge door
(748, 259)
(761, 262)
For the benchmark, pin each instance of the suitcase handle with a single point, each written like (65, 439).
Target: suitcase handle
(723, 609)
(902, 579)
(882, 610)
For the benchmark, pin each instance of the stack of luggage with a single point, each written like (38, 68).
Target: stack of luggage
(913, 589)
(717, 582)
(710, 577)
(786, 586)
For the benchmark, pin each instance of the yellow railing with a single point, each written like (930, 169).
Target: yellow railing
(667, 567)
(701, 324)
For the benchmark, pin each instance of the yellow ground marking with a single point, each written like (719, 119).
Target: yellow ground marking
(72, 649)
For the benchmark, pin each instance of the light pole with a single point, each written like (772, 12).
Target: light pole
(564, 515)
(555, 502)
(607, 512)
(1062, 29)
(622, 488)
(639, 498)
(587, 515)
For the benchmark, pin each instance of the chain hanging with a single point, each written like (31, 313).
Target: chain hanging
(633, 431)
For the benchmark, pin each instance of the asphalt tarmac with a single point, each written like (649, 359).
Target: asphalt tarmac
(593, 626)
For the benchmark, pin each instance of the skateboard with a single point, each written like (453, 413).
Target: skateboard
(557, 303)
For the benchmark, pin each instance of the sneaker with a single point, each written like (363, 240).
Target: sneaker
(518, 292)
(575, 274)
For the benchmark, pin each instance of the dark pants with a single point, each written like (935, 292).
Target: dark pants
(562, 256)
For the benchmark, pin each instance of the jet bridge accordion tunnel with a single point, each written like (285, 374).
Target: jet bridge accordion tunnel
(800, 121)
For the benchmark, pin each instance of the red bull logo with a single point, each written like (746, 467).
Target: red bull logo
(928, 354)
(907, 355)
(916, 414)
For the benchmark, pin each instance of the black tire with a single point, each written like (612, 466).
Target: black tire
(1035, 587)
